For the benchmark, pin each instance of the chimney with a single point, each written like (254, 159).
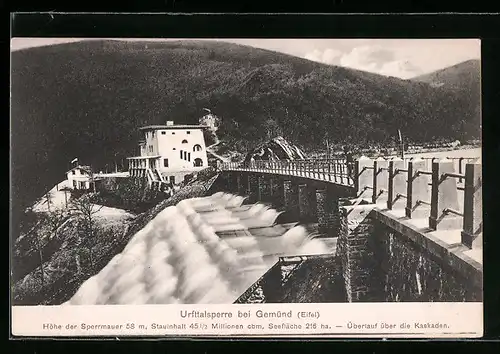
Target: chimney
(170, 123)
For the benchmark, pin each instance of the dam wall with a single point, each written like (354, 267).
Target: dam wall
(386, 258)
(406, 230)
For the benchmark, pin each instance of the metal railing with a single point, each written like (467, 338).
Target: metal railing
(330, 170)
(446, 191)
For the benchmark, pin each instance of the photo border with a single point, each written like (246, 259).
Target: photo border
(285, 26)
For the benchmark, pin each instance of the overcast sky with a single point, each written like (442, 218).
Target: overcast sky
(403, 58)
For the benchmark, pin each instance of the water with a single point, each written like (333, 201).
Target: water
(204, 250)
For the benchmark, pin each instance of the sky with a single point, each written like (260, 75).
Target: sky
(402, 58)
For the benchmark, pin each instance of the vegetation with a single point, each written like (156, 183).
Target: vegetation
(87, 99)
(131, 194)
(64, 248)
(49, 270)
(88, 229)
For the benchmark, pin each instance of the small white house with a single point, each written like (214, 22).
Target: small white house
(79, 177)
(169, 152)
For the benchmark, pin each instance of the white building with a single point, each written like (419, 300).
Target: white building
(79, 177)
(169, 152)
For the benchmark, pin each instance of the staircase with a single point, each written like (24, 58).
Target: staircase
(158, 175)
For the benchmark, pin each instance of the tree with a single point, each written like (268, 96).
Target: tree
(48, 197)
(55, 218)
(89, 229)
(37, 239)
(90, 172)
(39, 247)
(272, 129)
(66, 190)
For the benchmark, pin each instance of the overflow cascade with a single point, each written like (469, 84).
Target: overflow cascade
(200, 251)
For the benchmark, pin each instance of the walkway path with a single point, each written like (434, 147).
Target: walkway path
(210, 150)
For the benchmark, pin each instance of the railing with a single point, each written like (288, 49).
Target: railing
(458, 163)
(427, 188)
(445, 191)
(331, 170)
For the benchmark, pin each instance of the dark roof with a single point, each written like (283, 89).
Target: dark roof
(82, 167)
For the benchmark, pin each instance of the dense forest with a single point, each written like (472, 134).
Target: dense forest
(87, 100)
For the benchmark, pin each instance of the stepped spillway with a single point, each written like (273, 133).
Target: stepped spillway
(205, 250)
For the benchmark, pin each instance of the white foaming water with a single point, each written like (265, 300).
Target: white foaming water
(178, 257)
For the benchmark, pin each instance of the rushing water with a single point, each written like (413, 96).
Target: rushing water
(204, 250)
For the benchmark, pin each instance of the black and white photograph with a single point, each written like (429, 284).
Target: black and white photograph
(158, 171)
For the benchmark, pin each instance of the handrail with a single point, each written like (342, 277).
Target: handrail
(423, 202)
(402, 183)
(455, 175)
(452, 211)
(420, 172)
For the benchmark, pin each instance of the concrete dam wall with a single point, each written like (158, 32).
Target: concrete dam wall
(380, 255)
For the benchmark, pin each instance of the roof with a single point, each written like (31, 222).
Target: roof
(87, 178)
(79, 167)
(176, 126)
(143, 157)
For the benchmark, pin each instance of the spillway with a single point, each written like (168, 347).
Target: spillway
(205, 250)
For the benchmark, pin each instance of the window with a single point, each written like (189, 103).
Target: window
(73, 172)
(74, 184)
(188, 132)
(163, 133)
(184, 141)
(185, 155)
(197, 147)
(165, 162)
(181, 153)
(174, 149)
(173, 133)
(172, 179)
(189, 156)
(198, 162)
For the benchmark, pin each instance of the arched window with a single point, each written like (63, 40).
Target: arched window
(184, 141)
(197, 147)
(198, 162)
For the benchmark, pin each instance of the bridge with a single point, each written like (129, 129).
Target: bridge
(430, 209)
(444, 188)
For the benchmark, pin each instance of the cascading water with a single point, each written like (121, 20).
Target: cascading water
(204, 250)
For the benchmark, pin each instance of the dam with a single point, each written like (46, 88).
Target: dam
(309, 231)
(204, 250)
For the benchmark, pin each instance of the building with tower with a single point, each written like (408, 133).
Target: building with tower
(169, 152)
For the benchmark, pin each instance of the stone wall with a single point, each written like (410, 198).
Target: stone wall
(316, 279)
(291, 199)
(382, 263)
(264, 186)
(327, 212)
(307, 203)
(355, 251)
(409, 272)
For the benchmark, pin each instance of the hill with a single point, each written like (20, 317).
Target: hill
(465, 75)
(87, 100)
